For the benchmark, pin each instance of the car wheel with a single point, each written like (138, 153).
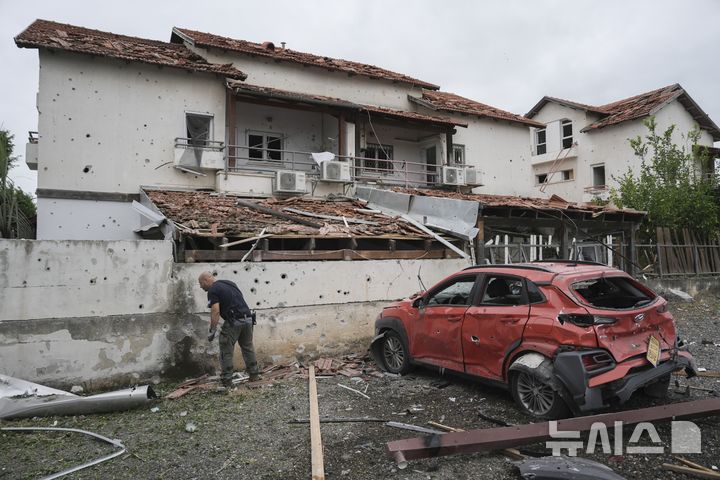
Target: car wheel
(395, 356)
(535, 397)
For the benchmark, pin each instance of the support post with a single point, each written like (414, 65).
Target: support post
(564, 241)
(633, 250)
(480, 241)
(341, 135)
(449, 148)
(230, 129)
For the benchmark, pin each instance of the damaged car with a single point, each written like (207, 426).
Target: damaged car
(565, 337)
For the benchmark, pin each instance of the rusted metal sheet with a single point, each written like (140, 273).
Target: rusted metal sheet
(497, 438)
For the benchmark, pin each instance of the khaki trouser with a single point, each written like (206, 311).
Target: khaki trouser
(242, 333)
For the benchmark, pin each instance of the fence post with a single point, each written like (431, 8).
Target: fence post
(660, 263)
(696, 259)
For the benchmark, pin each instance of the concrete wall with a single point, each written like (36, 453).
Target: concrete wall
(65, 219)
(608, 146)
(106, 312)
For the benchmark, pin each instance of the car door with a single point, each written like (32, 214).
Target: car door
(494, 325)
(436, 338)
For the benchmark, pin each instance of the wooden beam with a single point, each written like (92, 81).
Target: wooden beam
(244, 240)
(231, 126)
(302, 255)
(276, 213)
(316, 447)
(480, 241)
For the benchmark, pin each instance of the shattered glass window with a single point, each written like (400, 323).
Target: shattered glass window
(199, 129)
(613, 292)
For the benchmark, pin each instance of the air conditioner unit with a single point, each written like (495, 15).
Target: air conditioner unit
(333, 171)
(288, 181)
(473, 177)
(453, 176)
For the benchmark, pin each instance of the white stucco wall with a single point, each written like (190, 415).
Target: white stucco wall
(314, 80)
(609, 146)
(63, 219)
(118, 120)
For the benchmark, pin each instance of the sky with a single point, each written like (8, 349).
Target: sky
(505, 53)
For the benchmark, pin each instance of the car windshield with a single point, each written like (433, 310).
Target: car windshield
(619, 293)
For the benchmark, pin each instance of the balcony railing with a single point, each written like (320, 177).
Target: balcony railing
(376, 170)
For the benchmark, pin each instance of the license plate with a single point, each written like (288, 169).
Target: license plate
(653, 351)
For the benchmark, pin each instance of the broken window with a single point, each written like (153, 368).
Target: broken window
(265, 146)
(378, 159)
(502, 290)
(534, 293)
(458, 292)
(613, 293)
(568, 175)
(567, 134)
(199, 129)
(540, 141)
(598, 176)
(458, 154)
(540, 179)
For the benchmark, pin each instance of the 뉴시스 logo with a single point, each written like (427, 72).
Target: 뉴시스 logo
(685, 437)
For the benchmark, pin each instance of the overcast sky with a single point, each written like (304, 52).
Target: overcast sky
(506, 53)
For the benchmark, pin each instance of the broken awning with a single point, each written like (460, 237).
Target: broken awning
(241, 89)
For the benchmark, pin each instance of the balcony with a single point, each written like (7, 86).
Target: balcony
(555, 156)
(193, 155)
(595, 193)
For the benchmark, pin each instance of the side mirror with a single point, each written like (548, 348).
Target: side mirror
(419, 302)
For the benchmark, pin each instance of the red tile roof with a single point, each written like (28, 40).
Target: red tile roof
(60, 36)
(268, 49)
(451, 102)
(241, 88)
(636, 107)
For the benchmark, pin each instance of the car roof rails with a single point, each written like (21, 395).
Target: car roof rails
(519, 266)
(570, 262)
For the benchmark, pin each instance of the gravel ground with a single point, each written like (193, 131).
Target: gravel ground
(246, 434)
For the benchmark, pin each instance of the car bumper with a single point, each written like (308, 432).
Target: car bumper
(619, 383)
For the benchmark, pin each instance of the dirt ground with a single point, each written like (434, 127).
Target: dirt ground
(248, 435)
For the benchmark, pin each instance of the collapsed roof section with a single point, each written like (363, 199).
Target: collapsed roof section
(60, 36)
(218, 227)
(638, 106)
(269, 50)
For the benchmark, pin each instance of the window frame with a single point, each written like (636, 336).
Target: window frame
(538, 145)
(471, 296)
(563, 136)
(572, 175)
(458, 147)
(486, 281)
(537, 178)
(264, 148)
(593, 167)
(373, 163)
(211, 129)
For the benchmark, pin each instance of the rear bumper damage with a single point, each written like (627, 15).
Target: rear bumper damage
(618, 383)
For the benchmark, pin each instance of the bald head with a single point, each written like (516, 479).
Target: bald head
(206, 279)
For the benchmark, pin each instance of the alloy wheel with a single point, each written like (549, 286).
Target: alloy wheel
(394, 353)
(536, 396)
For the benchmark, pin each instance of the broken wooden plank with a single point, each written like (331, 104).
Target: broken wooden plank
(316, 448)
(690, 464)
(279, 255)
(413, 428)
(276, 213)
(353, 390)
(437, 237)
(690, 471)
(245, 240)
(329, 217)
(341, 420)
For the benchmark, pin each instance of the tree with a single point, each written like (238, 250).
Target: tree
(671, 185)
(15, 205)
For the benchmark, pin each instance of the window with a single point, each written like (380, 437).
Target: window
(458, 154)
(540, 179)
(598, 176)
(378, 159)
(534, 293)
(199, 129)
(568, 175)
(613, 292)
(567, 135)
(265, 146)
(459, 292)
(500, 290)
(540, 141)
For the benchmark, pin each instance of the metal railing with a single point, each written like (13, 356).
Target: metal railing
(596, 189)
(191, 143)
(377, 170)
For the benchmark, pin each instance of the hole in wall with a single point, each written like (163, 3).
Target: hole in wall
(140, 306)
(87, 168)
(283, 276)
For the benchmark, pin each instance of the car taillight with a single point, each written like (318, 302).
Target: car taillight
(585, 320)
(593, 361)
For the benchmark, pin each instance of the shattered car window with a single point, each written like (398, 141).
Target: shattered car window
(504, 291)
(613, 293)
(459, 293)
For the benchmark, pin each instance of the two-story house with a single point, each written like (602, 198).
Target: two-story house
(581, 149)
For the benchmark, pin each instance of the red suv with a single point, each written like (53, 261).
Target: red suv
(563, 336)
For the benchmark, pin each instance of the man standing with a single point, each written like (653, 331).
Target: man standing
(225, 300)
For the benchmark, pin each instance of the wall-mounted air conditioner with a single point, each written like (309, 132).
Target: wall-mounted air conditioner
(288, 181)
(333, 171)
(473, 177)
(453, 176)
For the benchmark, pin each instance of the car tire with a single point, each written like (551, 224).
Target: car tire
(658, 389)
(394, 353)
(536, 397)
